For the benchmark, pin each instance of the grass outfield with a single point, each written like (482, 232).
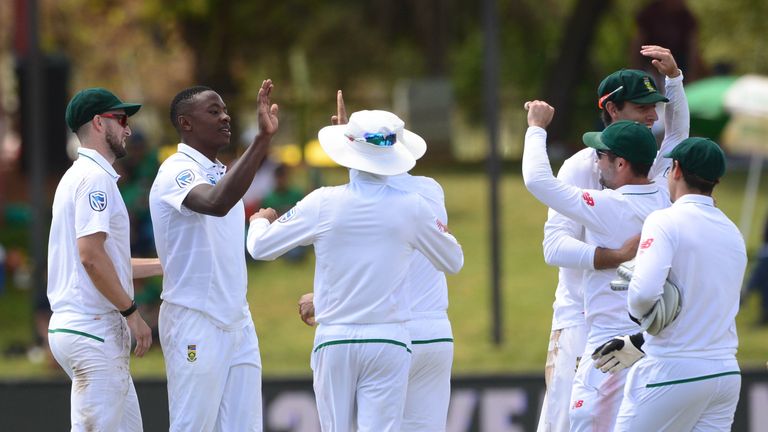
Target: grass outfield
(528, 289)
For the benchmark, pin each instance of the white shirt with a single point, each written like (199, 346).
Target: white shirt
(363, 233)
(702, 252)
(609, 217)
(563, 238)
(87, 201)
(427, 288)
(202, 256)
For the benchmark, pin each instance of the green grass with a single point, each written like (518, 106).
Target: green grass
(528, 288)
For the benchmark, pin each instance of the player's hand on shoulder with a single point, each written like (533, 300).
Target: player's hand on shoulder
(540, 113)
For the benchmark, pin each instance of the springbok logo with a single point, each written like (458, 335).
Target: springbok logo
(185, 178)
(98, 200)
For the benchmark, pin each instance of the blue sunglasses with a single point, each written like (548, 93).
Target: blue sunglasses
(377, 139)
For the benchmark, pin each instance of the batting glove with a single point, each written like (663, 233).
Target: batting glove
(619, 353)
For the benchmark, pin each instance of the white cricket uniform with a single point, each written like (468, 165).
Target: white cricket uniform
(429, 379)
(88, 336)
(609, 217)
(564, 247)
(364, 233)
(689, 378)
(209, 341)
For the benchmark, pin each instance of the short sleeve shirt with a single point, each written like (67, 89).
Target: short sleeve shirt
(86, 202)
(203, 256)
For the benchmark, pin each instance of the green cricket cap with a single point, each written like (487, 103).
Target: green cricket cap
(92, 101)
(701, 157)
(629, 85)
(631, 140)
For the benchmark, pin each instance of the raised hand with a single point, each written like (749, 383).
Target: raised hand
(663, 60)
(268, 122)
(341, 111)
(540, 113)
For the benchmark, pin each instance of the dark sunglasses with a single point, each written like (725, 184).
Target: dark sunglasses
(122, 119)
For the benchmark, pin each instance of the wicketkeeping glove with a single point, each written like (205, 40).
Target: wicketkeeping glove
(619, 353)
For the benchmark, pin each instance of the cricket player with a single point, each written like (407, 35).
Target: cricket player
(689, 379)
(364, 234)
(622, 95)
(626, 152)
(90, 271)
(209, 341)
(429, 379)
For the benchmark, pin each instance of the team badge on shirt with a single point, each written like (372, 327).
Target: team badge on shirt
(191, 353)
(97, 200)
(211, 179)
(185, 178)
(288, 215)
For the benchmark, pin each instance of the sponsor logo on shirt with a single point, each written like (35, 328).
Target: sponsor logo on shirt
(211, 179)
(588, 199)
(647, 243)
(97, 200)
(185, 178)
(288, 215)
(578, 404)
(191, 353)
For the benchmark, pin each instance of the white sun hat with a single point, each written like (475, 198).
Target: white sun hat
(373, 141)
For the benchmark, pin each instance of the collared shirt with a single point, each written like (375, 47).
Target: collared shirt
(202, 256)
(86, 202)
(609, 217)
(696, 247)
(363, 233)
(563, 238)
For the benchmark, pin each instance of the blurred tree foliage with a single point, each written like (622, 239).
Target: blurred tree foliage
(150, 49)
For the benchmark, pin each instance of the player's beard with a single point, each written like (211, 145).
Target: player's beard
(115, 144)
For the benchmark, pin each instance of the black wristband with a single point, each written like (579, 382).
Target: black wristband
(130, 310)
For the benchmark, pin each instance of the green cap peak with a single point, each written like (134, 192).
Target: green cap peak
(631, 140)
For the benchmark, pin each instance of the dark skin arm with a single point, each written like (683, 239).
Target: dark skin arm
(218, 200)
(611, 258)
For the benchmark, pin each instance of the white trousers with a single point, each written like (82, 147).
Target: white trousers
(595, 397)
(94, 351)
(429, 379)
(360, 374)
(681, 394)
(566, 347)
(214, 375)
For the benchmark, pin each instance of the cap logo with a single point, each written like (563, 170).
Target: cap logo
(97, 200)
(185, 178)
(648, 85)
